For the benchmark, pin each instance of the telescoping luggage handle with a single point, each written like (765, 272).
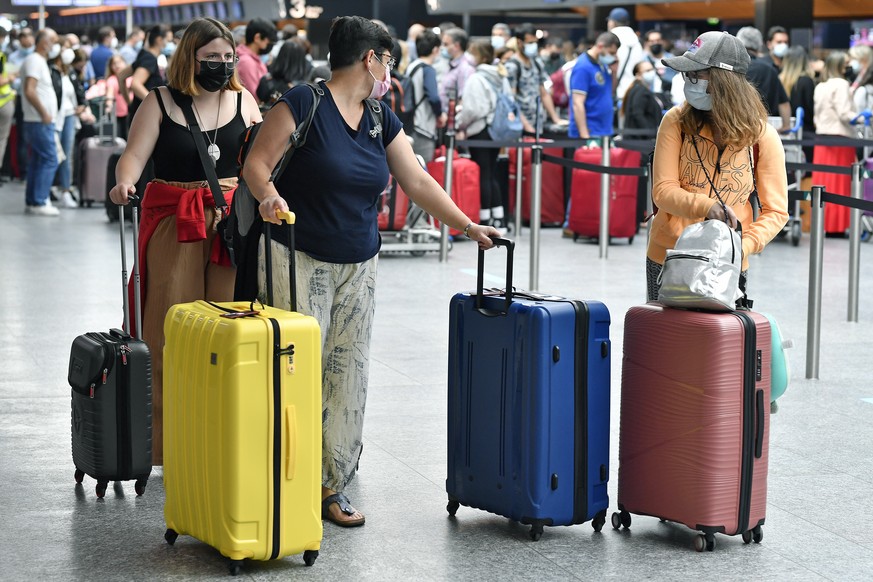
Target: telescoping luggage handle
(137, 300)
(480, 277)
(290, 218)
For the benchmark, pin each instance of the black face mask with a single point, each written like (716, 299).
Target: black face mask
(656, 49)
(213, 80)
(266, 50)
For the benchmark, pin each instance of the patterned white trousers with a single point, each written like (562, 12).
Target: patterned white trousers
(341, 298)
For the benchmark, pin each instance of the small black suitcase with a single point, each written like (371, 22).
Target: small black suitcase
(111, 379)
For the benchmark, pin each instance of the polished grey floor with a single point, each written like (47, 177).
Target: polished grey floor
(60, 277)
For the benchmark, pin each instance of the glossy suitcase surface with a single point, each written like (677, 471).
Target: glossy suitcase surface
(465, 185)
(552, 201)
(242, 429)
(395, 207)
(111, 379)
(584, 217)
(95, 152)
(528, 409)
(695, 415)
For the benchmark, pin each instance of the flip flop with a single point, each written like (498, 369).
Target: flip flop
(343, 502)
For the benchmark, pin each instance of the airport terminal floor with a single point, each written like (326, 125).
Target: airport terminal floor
(60, 277)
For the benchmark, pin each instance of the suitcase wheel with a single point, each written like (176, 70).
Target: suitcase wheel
(309, 557)
(140, 486)
(101, 489)
(758, 534)
(536, 532)
(170, 535)
(452, 507)
(622, 518)
(79, 475)
(704, 542)
(599, 521)
(235, 567)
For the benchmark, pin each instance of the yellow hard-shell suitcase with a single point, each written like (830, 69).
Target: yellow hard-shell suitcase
(242, 429)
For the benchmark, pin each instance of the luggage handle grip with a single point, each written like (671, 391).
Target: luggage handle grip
(480, 275)
(759, 414)
(291, 219)
(137, 302)
(291, 445)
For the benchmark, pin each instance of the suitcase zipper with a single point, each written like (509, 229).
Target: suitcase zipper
(277, 436)
(749, 420)
(122, 410)
(695, 257)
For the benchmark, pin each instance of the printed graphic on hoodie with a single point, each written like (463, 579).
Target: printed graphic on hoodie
(731, 174)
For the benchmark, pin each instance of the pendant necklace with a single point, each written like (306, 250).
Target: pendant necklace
(212, 149)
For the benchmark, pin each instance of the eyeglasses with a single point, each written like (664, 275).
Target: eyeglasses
(213, 63)
(694, 76)
(392, 62)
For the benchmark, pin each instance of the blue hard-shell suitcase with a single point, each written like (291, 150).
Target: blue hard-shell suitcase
(529, 377)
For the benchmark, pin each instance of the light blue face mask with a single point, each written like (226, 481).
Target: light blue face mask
(444, 53)
(531, 49)
(606, 60)
(696, 95)
(265, 58)
(138, 46)
(169, 49)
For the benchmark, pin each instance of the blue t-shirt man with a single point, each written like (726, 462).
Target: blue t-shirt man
(99, 57)
(593, 80)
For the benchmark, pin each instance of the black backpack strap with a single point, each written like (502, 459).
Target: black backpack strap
(298, 136)
(185, 103)
(377, 114)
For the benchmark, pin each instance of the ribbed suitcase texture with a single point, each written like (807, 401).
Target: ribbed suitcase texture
(242, 429)
(695, 415)
(584, 216)
(528, 409)
(111, 408)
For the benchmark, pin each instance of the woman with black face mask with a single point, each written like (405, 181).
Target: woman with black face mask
(182, 259)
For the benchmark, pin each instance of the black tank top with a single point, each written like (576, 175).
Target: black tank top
(176, 158)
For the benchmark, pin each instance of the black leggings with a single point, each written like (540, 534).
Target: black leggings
(489, 187)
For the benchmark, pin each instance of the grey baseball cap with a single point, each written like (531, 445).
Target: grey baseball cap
(712, 49)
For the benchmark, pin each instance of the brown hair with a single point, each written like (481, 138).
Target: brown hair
(201, 31)
(738, 114)
(835, 66)
(482, 51)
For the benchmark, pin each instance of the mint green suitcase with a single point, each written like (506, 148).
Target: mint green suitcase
(780, 371)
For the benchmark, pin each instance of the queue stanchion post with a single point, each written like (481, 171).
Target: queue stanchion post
(519, 178)
(536, 189)
(816, 256)
(855, 243)
(604, 200)
(450, 155)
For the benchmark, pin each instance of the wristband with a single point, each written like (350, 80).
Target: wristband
(467, 230)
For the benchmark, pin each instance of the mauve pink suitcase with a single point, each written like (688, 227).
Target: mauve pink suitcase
(695, 419)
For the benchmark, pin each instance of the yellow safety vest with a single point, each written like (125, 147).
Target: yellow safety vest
(6, 92)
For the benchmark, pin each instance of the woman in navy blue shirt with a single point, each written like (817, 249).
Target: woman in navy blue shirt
(333, 184)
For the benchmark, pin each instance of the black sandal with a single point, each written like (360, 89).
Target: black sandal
(343, 502)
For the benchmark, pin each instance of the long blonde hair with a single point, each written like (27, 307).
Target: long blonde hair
(835, 66)
(795, 65)
(738, 114)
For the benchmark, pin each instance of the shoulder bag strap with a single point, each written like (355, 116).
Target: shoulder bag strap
(374, 106)
(185, 104)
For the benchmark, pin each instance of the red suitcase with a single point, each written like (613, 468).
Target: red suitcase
(585, 195)
(465, 184)
(395, 207)
(552, 201)
(695, 420)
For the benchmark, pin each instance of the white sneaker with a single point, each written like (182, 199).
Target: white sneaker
(68, 201)
(45, 210)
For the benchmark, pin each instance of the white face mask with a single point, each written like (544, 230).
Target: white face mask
(780, 49)
(54, 51)
(114, 42)
(67, 56)
(498, 42)
(696, 95)
(855, 65)
(649, 77)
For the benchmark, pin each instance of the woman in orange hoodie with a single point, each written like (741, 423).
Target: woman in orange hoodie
(713, 152)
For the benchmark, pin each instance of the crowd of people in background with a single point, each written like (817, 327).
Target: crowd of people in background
(616, 83)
